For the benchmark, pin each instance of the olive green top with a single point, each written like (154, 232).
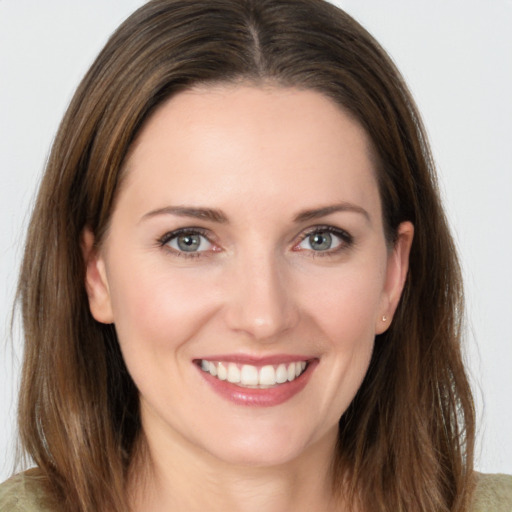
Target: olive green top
(24, 493)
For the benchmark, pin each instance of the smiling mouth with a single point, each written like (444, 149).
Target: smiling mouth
(254, 377)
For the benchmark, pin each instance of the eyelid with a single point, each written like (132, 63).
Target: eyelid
(347, 240)
(164, 240)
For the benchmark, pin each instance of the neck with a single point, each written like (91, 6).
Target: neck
(185, 478)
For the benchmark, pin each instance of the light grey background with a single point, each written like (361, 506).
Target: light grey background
(457, 58)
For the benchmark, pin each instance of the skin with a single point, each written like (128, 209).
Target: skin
(259, 155)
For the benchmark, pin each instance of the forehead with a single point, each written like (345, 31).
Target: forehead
(253, 142)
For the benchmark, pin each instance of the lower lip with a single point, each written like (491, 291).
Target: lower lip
(267, 397)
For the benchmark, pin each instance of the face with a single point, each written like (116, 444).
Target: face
(247, 272)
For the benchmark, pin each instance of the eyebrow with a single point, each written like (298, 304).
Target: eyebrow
(218, 216)
(323, 211)
(189, 211)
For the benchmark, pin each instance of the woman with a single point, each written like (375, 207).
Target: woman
(239, 278)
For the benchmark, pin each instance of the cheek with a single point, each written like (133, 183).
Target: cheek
(158, 310)
(346, 302)
(345, 311)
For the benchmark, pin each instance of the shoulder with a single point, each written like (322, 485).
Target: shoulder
(23, 493)
(493, 493)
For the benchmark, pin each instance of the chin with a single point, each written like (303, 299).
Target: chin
(261, 454)
(270, 447)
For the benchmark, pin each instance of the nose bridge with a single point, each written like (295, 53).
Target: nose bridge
(262, 304)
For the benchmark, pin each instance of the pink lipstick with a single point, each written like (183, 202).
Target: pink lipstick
(263, 382)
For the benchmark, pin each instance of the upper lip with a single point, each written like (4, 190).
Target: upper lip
(258, 360)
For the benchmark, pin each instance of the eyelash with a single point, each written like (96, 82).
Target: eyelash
(346, 241)
(168, 237)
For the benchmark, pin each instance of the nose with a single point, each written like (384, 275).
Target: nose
(261, 299)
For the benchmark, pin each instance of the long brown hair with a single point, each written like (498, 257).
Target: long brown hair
(406, 441)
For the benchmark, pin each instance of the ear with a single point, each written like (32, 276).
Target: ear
(396, 274)
(96, 282)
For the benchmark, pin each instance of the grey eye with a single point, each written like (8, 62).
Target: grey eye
(323, 241)
(190, 242)
(320, 241)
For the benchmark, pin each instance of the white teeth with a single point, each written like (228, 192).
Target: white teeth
(233, 373)
(222, 371)
(251, 376)
(291, 372)
(281, 374)
(267, 376)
